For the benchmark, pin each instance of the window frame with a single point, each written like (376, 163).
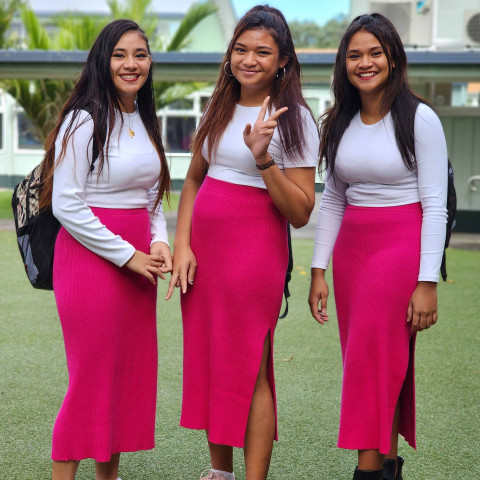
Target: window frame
(195, 112)
(2, 125)
(17, 149)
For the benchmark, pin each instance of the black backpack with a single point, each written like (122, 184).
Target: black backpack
(37, 229)
(451, 213)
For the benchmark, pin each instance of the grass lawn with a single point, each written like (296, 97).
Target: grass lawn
(6, 198)
(5, 204)
(33, 380)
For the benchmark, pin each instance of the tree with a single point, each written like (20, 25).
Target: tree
(7, 9)
(42, 100)
(309, 34)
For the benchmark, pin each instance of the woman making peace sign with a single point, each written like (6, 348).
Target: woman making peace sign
(260, 143)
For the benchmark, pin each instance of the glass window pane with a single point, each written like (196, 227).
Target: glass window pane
(27, 138)
(179, 133)
(203, 102)
(1, 131)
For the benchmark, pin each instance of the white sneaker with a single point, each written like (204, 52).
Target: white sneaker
(212, 476)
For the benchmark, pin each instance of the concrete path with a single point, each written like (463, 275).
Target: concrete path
(466, 241)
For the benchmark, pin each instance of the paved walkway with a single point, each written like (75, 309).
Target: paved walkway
(466, 241)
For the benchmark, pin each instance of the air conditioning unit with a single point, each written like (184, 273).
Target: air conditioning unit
(412, 19)
(471, 28)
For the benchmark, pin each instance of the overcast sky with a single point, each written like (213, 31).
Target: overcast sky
(319, 11)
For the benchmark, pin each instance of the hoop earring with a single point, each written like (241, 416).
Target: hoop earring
(225, 71)
(284, 73)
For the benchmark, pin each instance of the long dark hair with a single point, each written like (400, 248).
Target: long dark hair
(398, 97)
(96, 93)
(285, 90)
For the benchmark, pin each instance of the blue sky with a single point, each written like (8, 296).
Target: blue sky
(319, 11)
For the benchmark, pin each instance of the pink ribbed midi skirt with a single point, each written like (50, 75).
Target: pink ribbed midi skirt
(239, 239)
(108, 318)
(375, 270)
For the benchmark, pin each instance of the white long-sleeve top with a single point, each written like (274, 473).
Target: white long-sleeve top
(370, 172)
(234, 161)
(128, 181)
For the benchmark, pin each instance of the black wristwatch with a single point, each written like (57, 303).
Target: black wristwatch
(269, 164)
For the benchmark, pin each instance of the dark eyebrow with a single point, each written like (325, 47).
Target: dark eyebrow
(261, 47)
(370, 49)
(141, 49)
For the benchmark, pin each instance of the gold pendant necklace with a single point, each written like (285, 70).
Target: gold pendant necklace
(131, 133)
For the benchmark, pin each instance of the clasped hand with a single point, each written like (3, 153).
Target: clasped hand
(157, 264)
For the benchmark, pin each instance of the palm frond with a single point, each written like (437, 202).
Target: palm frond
(7, 10)
(77, 32)
(195, 14)
(115, 8)
(168, 93)
(36, 35)
(137, 10)
(42, 100)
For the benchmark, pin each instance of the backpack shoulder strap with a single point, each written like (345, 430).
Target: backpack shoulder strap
(451, 214)
(288, 276)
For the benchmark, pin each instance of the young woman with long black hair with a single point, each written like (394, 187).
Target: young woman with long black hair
(383, 214)
(112, 246)
(259, 141)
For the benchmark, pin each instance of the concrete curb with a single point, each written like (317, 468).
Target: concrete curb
(463, 241)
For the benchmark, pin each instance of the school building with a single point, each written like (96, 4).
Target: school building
(442, 38)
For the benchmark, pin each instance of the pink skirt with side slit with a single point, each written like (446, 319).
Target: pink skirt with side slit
(239, 239)
(108, 317)
(375, 270)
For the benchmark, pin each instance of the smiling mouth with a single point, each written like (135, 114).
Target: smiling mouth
(367, 75)
(129, 78)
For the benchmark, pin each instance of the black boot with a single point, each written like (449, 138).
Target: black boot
(368, 474)
(389, 469)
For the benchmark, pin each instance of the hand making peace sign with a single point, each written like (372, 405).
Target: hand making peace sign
(258, 138)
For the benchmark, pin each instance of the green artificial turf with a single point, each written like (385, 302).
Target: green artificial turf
(33, 380)
(5, 205)
(6, 198)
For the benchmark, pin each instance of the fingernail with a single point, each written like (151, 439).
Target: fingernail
(190, 282)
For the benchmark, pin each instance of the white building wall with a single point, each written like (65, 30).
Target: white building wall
(441, 23)
(178, 121)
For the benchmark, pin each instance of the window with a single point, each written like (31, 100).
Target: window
(179, 120)
(2, 95)
(203, 102)
(27, 137)
(181, 104)
(179, 134)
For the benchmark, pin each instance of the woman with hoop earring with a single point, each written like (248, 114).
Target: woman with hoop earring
(259, 142)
